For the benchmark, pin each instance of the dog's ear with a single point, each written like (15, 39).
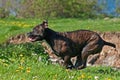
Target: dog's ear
(45, 23)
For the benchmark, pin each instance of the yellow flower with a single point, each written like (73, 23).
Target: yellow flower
(26, 25)
(79, 78)
(89, 77)
(17, 70)
(22, 79)
(22, 60)
(21, 67)
(55, 77)
(28, 70)
(5, 64)
(108, 79)
(21, 55)
(19, 24)
(82, 76)
(67, 70)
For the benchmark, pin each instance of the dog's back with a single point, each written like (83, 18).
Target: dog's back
(84, 37)
(80, 36)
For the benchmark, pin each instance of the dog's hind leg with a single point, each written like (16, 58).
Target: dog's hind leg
(89, 49)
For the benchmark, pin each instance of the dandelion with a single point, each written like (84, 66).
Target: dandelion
(22, 79)
(17, 70)
(19, 25)
(21, 55)
(82, 76)
(108, 79)
(26, 25)
(22, 60)
(55, 77)
(67, 70)
(28, 70)
(5, 64)
(12, 60)
(21, 67)
(79, 78)
(89, 77)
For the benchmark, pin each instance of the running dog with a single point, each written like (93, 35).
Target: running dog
(79, 43)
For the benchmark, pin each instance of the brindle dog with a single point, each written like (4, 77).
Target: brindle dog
(79, 43)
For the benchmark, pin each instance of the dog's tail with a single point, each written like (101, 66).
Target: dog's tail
(109, 44)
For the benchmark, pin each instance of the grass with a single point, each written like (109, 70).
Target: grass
(28, 61)
(25, 65)
(10, 27)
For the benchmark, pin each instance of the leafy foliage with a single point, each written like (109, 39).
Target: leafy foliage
(61, 8)
(3, 13)
(52, 8)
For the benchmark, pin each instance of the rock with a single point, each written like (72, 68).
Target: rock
(110, 56)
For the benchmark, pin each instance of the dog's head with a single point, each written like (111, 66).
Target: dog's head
(38, 32)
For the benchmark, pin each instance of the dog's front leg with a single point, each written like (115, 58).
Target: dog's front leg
(67, 62)
(78, 61)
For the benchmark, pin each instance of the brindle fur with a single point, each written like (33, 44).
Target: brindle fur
(80, 43)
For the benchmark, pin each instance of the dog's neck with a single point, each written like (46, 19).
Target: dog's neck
(50, 36)
(49, 33)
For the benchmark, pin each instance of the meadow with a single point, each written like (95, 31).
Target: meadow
(29, 61)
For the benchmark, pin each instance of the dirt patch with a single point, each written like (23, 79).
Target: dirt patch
(108, 57)
(18, 39)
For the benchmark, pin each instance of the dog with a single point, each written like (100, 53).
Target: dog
(79, 43)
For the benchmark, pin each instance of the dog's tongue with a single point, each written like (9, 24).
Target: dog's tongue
(31, 39)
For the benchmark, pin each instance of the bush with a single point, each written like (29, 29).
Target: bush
(3, 13)
(57, 8)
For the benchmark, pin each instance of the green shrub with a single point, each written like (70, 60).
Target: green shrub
(57, 8)
(3, 13)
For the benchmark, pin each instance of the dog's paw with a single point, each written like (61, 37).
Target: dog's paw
(70, 67)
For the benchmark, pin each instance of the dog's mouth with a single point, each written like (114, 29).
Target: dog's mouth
(33, 39)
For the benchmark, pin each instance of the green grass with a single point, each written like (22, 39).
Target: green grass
(10, 27)
(21, 62)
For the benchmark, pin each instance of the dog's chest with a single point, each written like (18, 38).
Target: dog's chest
(60, 46)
